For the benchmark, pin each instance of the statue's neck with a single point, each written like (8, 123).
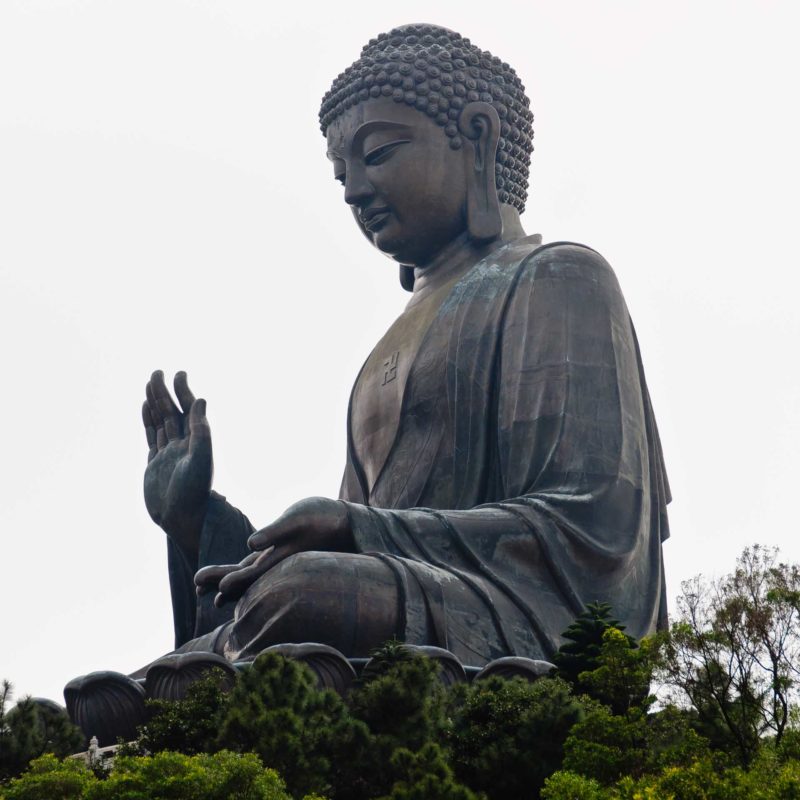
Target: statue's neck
(459, 255)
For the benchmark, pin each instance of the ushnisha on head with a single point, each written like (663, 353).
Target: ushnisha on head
(440, 73)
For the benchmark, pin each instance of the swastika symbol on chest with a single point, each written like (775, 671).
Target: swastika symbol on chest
(390, 368)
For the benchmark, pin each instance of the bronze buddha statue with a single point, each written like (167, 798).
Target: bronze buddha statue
(503, 462)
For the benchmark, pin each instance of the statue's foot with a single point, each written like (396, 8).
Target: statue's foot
(451, 670)
(170, 677)
(108, 705)
(516, 667)
(331, 668)
(111, 706)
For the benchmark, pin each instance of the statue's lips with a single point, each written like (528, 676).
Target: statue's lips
(374, 219)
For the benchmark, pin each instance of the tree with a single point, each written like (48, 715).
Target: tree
(426, 775)
(619, 735)
(508, 735)
(584, 641)
(622, 673)
(734, 652)
(605, 746)
(276, 710)
(188, 726)
(402, 704)
(385, 658)
(30, 730)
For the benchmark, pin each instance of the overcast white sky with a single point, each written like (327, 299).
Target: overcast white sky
(165, 202)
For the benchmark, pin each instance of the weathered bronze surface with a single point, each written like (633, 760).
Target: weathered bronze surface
(504, 466)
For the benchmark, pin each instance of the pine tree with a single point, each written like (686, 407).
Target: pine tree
(581, 653)
(401, 702)
(276, 711)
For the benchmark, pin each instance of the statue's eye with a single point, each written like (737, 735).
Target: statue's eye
(383, 152)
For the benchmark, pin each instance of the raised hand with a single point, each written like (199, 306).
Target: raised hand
(180, 467)
(316, 523)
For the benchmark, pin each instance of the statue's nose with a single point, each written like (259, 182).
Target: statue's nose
(357, 190)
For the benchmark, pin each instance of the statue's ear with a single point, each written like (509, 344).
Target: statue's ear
(480, 125)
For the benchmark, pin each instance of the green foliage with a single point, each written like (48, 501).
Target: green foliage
(734, 652)
(569, 786)
(508, 735)
(48, 778)
(402, 705)
(621, 678)
(730, 728)
(163, 776)
(581, 652)
(186, 726)
(606, 746)
(701, 780)
(30, 730)
(385, 658)
(219, 776)
(672, 740)
(276, 710)
(426, 775)
(789, 746)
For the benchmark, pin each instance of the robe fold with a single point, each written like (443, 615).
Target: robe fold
(526, 477)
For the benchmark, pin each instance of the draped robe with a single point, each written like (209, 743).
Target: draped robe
(526, 477)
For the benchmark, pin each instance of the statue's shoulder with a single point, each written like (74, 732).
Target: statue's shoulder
(568, 261)
(526, 263)
(571, 256)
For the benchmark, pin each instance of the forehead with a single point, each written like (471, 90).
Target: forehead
(342, 131)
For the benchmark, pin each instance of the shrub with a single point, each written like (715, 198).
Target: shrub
(569, 786)
(48, 778)
(163, 776)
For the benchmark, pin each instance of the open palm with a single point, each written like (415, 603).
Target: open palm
(180, 466)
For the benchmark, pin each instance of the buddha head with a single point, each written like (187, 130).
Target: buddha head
(430, 136)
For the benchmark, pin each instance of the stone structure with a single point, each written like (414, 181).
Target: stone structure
(503, 463)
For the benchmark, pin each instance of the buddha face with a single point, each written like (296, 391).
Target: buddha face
(406, 186)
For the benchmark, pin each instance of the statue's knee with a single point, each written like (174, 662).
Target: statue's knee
(306, 566)
(287, 582)
(348, 601)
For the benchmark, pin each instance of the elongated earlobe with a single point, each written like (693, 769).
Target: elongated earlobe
(480, 125)
(407, 277)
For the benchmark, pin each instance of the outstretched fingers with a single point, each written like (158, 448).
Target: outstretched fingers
(183, 392)
(149, 430)
(166, 406)
(199, 429)
(155, 415)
